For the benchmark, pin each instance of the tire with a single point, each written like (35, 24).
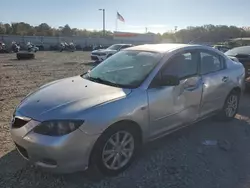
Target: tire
(25, 55)
(225, 114)
(103, 145)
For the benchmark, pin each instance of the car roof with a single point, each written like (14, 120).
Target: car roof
(161, 48)
(123, 44)
(243, 50)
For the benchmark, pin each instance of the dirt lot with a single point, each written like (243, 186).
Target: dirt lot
(182, 159)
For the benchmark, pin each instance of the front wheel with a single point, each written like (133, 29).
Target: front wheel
(230, 107)
(115, 150)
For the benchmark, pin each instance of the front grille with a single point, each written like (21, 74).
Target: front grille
(23, 151)
(94, 58)
(98, 54)
(95, 54)
(18, 123)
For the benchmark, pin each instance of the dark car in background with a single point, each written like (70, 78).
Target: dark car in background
(243, 55)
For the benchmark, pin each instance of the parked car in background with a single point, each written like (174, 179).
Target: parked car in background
(3, 48)
(31, 47)
(102, 54)
(98, 47)
(242, 54)
(15, 47)
(8, 48)
(221, 48)
(64, 46)
(137, 95)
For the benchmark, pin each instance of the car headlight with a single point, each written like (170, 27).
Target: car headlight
(58, 127)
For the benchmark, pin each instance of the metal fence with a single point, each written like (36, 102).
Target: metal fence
(47, 41)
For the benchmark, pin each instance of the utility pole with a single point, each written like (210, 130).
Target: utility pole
(146, 29)
(103, 20)
(175, 28)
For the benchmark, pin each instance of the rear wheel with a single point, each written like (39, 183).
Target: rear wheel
(230, 107)
(115, 150)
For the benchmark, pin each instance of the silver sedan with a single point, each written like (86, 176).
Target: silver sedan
(102, 117)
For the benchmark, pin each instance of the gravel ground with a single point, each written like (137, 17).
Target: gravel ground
(208, 154)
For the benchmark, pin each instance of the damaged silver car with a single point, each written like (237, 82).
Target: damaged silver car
(141, 93)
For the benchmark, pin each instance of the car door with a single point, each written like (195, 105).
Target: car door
(172, 106)
(215, 80)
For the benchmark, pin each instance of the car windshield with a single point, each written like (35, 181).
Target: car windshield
(126, 69)
(239, 50)
(115, 47)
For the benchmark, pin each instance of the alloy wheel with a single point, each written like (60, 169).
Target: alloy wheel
(118, 150)
(231, 105)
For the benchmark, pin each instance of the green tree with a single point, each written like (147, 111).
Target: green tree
(2, 28)
(8, 28)
(66, 30)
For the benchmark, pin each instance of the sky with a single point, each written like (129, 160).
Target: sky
(157, 16)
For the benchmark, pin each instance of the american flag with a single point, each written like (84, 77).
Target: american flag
(119, 17)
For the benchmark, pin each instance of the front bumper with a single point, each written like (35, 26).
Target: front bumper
(98, 58)
(62, 154)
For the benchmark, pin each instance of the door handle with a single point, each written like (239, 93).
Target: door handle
(225, 79)
(195, 86)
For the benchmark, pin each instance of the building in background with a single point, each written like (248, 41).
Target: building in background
(136, 38)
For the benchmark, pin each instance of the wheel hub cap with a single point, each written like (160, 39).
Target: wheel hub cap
(232, 104)
(118, 150)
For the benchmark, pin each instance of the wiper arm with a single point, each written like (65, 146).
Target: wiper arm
(99, 80)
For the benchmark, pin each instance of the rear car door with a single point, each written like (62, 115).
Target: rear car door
(215, 80)
(172, 106)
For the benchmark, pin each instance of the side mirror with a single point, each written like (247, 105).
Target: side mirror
(169, 80)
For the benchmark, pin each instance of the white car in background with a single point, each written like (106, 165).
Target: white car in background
(102, 54)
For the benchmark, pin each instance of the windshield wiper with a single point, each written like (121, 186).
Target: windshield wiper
(102, 81)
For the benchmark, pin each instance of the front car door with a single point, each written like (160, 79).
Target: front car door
(215, 80)
(172, 106)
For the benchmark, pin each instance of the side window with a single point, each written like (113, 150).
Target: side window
(182, 65)
(210, 63)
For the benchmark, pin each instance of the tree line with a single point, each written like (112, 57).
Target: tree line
(44, 29)
(206, 33)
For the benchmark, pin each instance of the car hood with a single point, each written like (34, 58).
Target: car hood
(104, 51)
(67, 98)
